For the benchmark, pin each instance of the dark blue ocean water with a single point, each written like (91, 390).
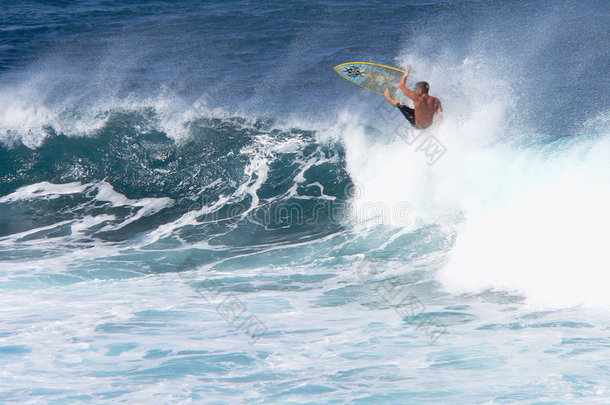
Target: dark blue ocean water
(194, 207)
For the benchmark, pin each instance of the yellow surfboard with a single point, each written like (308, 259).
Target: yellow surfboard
(372, 76)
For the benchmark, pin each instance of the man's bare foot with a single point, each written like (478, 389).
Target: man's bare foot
(386, 93)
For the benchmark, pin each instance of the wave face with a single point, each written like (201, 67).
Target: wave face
(195, 207)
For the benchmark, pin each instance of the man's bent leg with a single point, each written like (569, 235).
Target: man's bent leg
(408, 112)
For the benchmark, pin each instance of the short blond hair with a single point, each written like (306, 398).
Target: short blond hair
(423, 86)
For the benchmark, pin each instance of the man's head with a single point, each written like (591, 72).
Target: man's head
(422, 87)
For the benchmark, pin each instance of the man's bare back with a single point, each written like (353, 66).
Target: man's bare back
(425, 105)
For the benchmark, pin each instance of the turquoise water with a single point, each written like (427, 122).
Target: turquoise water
(194, 207)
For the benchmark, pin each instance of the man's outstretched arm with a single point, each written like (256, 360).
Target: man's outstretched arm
(403, 86)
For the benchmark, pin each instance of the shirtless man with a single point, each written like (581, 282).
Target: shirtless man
(425, 105)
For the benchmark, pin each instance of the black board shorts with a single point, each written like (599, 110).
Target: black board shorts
(408, 112)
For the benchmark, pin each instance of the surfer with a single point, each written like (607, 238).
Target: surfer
(425, 105)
